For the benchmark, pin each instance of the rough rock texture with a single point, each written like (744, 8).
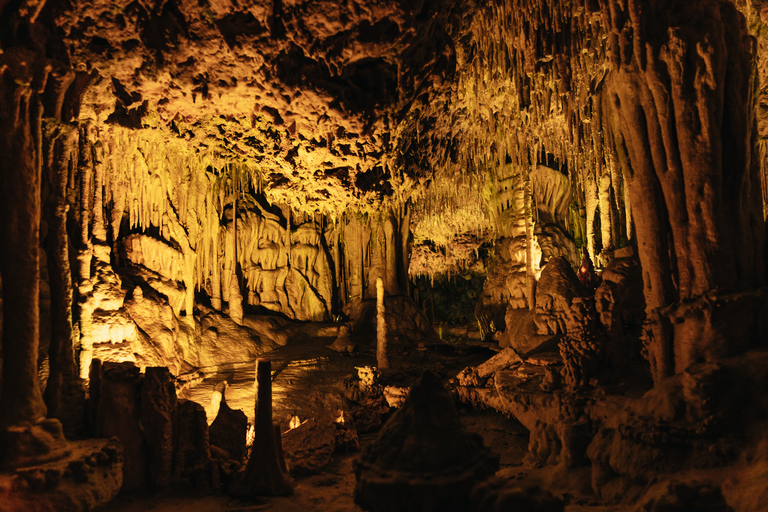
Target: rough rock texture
(674, 496)
(584, 345)
(476, 376)
(620, 305)
(192, 460)
(158, 418)
(497, 495)
(119, 415)
(693, 187)
(271, 156)
(308, 448)
(556, 288)
(422, 459)
(693, 421)
(366, 397)
(228, 431)
(88, 477)
(26, 444)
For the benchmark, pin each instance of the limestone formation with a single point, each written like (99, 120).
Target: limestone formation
(309, 447)
(265, 473)
(22, 78)
(188, 186)
(192, 459)
(382, 360)
(89, 477)
(556, 289)
(228, 430)
(496, 495)
(422, 459)
(119, 415)
(583, 347)
(158, 420)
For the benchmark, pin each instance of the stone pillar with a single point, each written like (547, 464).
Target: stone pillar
(119, 416)
(158, 410)
(681, 97)
(64, 394)
(381, 327)
(265, 474)
(21, 81)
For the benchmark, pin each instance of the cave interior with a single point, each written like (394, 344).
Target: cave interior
(384, 255)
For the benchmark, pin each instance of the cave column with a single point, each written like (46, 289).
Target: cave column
(235, 295)
(63, 393)
(682, 96)
(21, 82)
(86, 251)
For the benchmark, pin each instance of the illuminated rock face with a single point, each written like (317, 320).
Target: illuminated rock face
(187, 163)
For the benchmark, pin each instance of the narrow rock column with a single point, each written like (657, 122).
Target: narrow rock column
(381, 327)
(20, 206)
(64, 394)
(604, 202)
(265, 473)
(591, 199)
(158, 410)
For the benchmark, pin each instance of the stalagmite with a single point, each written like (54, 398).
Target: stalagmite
(529, 242)
(265, 473)
(592, 203)
(606, 210)
(381, 327)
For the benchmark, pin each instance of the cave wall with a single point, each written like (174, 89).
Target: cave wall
(160, 229)
(270, 155)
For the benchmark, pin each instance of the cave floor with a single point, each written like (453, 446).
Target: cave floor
(332, 490)
(308, 377)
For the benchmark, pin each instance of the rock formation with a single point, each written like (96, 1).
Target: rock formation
(188, 186)
(422, 459)
(265, 474)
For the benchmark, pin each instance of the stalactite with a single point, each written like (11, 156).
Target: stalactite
(86, 207)
(235, 295)
(628, 212)
(215, 272)
(99, 231)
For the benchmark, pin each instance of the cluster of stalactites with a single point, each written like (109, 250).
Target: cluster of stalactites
(529, 89)
(531, 84)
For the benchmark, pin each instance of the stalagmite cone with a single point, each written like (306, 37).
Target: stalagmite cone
(423, 459)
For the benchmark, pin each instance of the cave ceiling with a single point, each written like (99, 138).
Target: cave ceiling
(310, 95)
(335, 105)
